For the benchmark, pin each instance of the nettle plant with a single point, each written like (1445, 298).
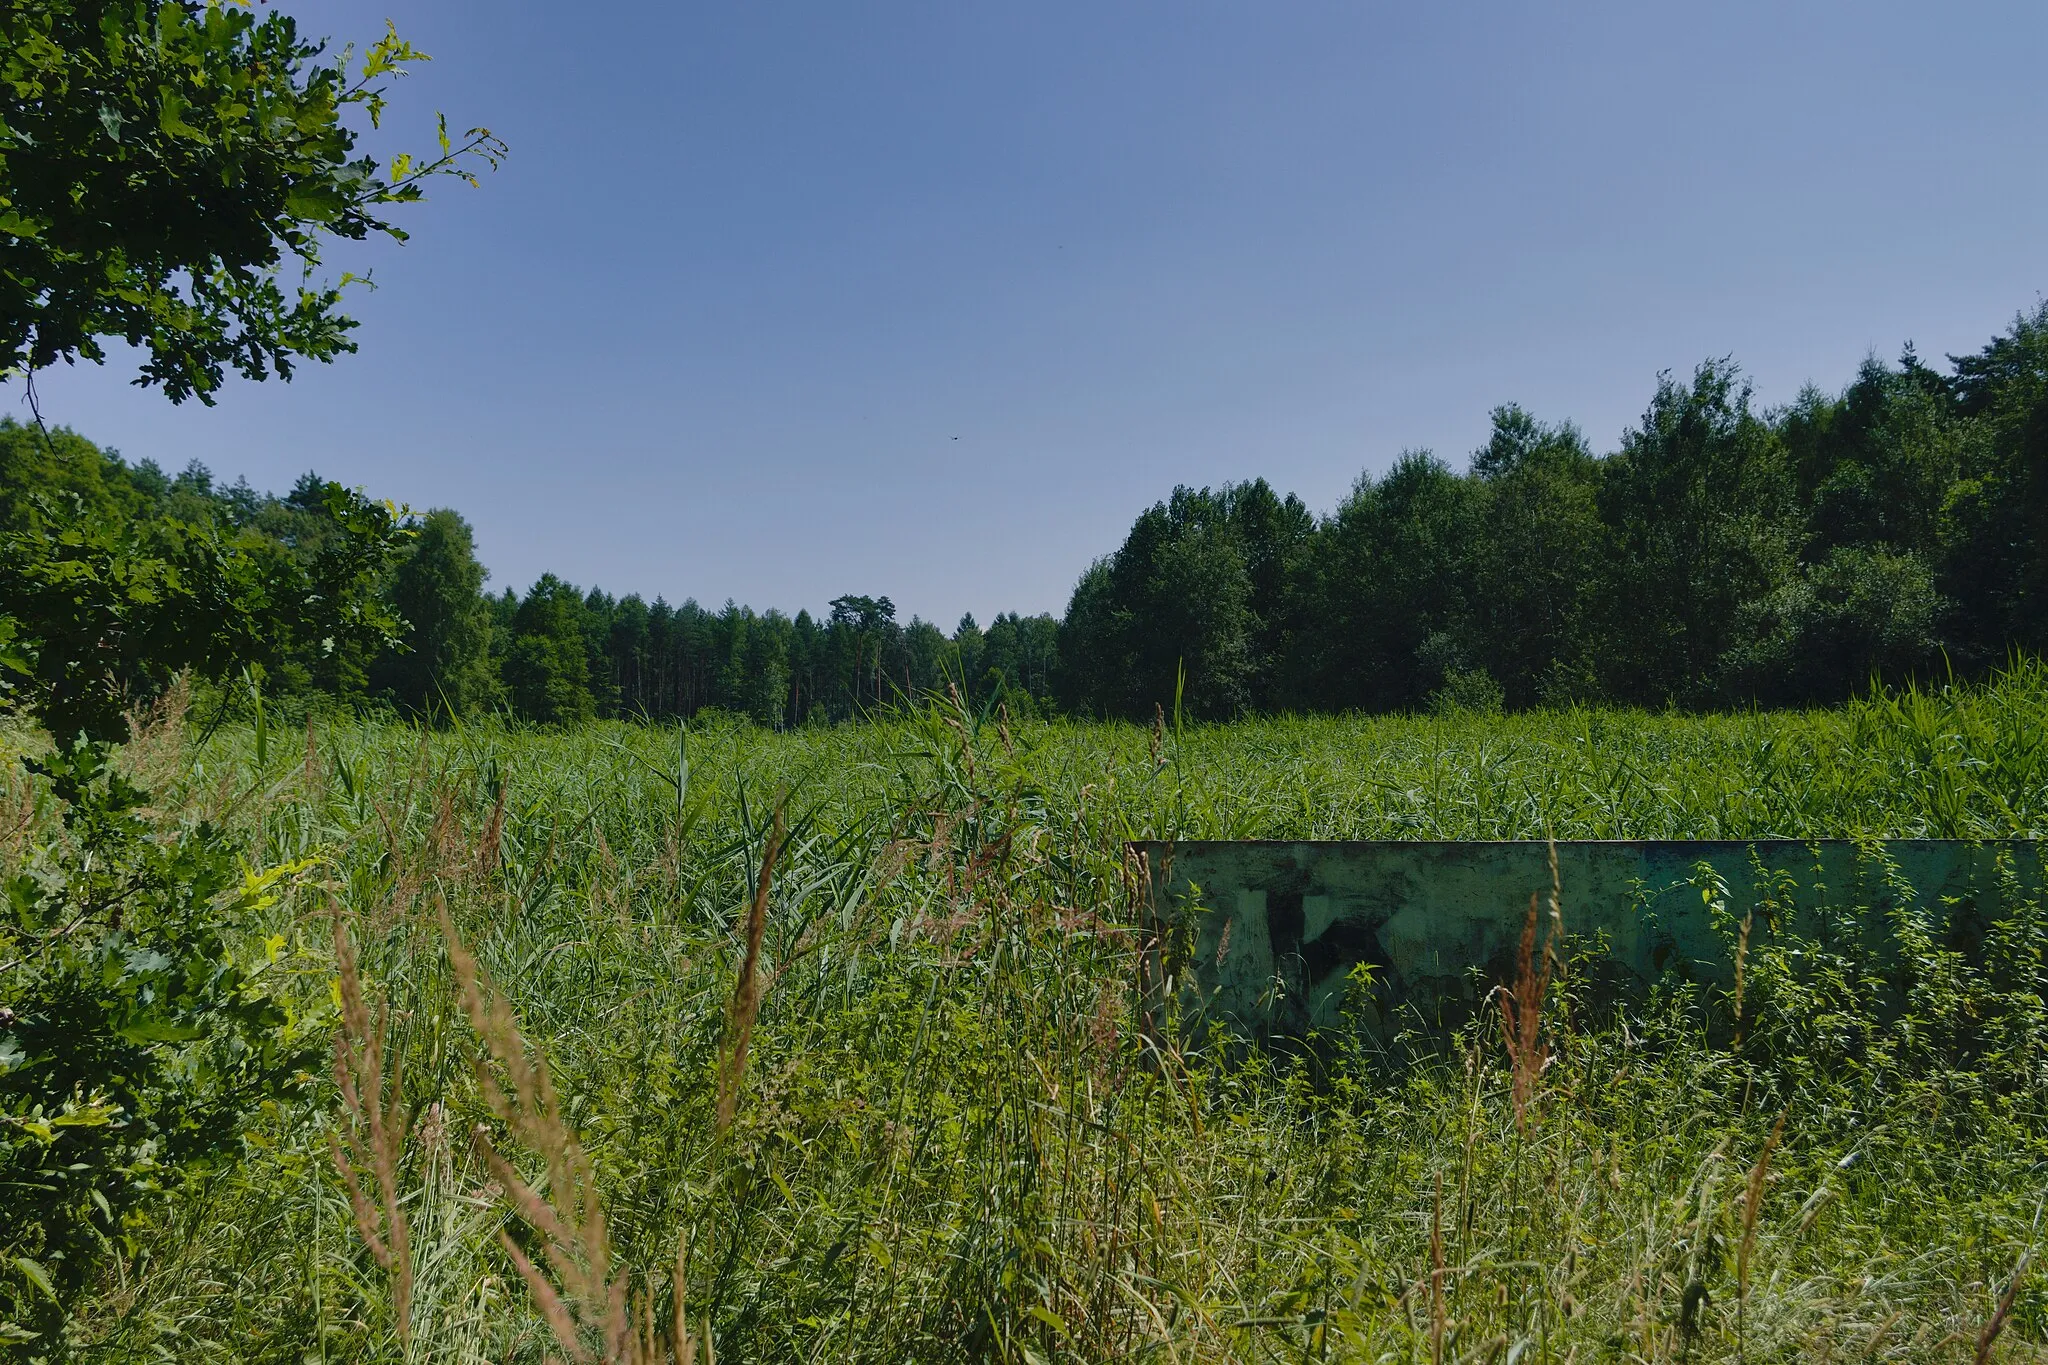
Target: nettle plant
(138, 1031)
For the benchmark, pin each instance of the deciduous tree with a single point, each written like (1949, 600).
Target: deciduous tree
(169, 173)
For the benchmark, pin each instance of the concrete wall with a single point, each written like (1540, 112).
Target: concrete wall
(1265, 935)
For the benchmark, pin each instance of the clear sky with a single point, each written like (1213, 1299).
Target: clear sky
(777, 301)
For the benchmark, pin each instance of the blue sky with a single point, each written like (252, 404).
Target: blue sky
(778, 301)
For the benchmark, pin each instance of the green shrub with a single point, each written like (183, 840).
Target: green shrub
(137, 1038)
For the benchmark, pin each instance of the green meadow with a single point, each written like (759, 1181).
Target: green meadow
(588, 1074)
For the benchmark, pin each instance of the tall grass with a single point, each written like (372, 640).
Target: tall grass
(846, 1015)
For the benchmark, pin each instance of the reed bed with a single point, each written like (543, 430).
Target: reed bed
(656, 1044)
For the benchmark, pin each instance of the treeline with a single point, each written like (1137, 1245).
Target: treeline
(555, 655)
(568, 656)
(1722, 555)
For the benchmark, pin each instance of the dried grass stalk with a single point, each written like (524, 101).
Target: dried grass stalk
(1436, 1275)
(1521, 1017)
(1741, 962)
(591, 1311)
(1988, 1336)
(490, 843)
(1752, 1208)
(746, 993)
(369, 1141)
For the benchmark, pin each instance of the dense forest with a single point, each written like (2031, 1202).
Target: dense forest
(555, 655)
(1722, 555)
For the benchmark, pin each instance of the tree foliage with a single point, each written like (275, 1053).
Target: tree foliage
(135, 1035)
(547, 671)
(1721, 555)
(138, 1037)
(169, 171)
(103, 610)
(436, 589)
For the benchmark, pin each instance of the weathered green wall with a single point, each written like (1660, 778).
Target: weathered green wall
(1265, 935)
